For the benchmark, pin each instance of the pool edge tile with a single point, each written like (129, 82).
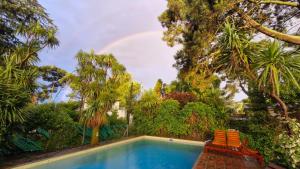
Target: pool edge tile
(181, 141)
(52, 159)
(100, 147)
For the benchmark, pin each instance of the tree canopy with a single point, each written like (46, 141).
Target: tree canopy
(227, 37)
(97, 83)
(196, 24)
(26, 29)
(25, 23)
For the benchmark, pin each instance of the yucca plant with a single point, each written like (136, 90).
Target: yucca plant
(16, 87)
(233, 48)
(13, 98)
(277, 66)
(96, 81)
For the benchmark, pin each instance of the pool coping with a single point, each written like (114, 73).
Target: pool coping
(100, 147)
(197, 160)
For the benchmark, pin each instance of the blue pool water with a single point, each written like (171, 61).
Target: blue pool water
(143, 154)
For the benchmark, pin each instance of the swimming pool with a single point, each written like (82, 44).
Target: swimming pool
(142, 153)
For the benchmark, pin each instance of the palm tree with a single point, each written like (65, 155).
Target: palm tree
(96, 82)
(277, 66)
(267, 64)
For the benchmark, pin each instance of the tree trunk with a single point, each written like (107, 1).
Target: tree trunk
(128, 117)
(282, 105)
(243, 89)
(269, 32)
(34, 99)
(95, 136)
(284, 113)
(84, 125)
(83, 134)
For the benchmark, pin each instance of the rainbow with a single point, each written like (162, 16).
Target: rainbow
(125, 39)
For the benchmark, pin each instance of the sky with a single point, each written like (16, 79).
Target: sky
(129, 29)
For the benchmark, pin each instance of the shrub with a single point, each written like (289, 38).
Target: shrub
(116, 125)
(168, 121)
(260, 131)
(200, 120)
(288, 145)
(195, 120)
(261, 139)
(182, 97)
(144, 113)
(71, 108)
(56, 120)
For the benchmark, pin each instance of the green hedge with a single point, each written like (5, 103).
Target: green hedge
(195, 120)
(200, 120)
(260, 130)
(167, 120)
(56, 120)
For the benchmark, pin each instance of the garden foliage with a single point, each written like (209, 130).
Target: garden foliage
(57, 120)
(288, 145)
(158, 117)
(182, 97)
(260, 131)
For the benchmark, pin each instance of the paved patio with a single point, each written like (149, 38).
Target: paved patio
(213, 160)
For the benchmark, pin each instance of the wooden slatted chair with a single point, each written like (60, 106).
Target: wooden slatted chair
(234, 142)
(219, 138)
(219, 142)
(233, 145)
(233, 139)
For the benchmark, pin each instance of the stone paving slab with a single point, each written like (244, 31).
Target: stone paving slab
(214, 160)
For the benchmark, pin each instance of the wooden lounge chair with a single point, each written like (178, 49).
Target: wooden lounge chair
(219, 138)
(233, 146)
(233, 139)
(219, 142)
